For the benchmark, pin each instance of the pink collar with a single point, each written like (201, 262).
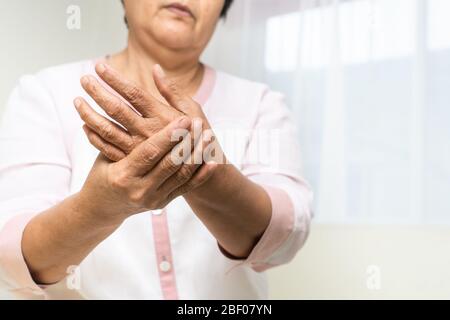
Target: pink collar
(206, 87)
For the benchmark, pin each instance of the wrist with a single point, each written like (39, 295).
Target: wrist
(91, 211)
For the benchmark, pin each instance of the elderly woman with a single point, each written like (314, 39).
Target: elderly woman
(132, 221)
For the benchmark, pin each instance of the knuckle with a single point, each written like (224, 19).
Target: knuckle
(167, 164)
(128, 145)
(184, 174)
(115, 110)
(118, 181)
(107, 131)
(135, 94)
(151, 152)
(109, 154)
(137, 196)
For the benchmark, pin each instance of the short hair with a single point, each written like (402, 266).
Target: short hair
(226, 7)
(224, 12)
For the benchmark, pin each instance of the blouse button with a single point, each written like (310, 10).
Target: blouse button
(165, 266)
(157, 212)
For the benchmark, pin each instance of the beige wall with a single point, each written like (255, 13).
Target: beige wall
(414, 262)
(34, 35)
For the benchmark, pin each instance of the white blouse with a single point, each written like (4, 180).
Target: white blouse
(168, 254)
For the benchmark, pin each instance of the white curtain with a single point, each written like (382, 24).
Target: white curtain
(369, 84)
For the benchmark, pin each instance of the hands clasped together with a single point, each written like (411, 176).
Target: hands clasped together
(154, 153)
(150, 153)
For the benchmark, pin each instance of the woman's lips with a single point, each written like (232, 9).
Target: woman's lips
(180, 10)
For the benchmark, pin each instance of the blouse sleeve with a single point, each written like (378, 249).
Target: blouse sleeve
(272, 160)
(34, 175)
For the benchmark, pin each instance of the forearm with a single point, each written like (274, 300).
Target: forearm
(65, 234)
(234, 209)
(61, 237)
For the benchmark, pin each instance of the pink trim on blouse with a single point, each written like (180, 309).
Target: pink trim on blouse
(161, 234)
(280, 227)
(206, 87)
(12, 259)
(164, 257)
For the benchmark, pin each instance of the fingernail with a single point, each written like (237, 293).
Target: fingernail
(184, 123)
(159, 71)
(85, 80)
(101, 68)
(77, 103)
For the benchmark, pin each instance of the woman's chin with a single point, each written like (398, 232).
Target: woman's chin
(175, 40)
(172, 32)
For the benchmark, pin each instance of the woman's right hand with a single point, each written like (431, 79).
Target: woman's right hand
(146, 179)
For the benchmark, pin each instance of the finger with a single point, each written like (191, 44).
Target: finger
(147, 155)
(174, 167)
(199, 179)
(169, 90)
(138, 98)
(113, 105)
(107, 149)
(191, 164)
(106, 129)
(178, 178)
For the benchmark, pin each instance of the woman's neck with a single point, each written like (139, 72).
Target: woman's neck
(136, 64)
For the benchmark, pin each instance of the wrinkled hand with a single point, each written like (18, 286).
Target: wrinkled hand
(147, 179)
(139, 114)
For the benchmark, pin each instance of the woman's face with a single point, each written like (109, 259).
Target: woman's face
(175, 24)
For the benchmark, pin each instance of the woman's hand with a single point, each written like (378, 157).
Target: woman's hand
(232, 207)
(139, 114)
(146, 179)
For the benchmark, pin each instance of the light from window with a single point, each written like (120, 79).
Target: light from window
(368, 31)
(439, 24)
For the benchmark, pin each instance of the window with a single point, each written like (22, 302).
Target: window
(367, 81)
